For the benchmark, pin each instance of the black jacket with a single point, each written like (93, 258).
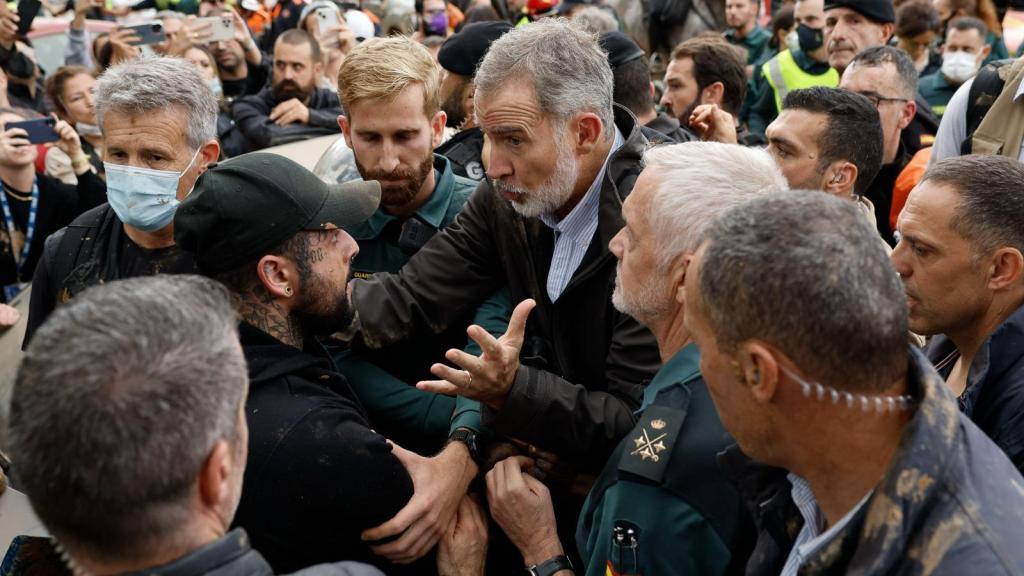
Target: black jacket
(584, 363)
(91, 250)
(59, 204)
(252, 117)
(994, 398)
(665, 129)
(950, 503)
(317, 474)
(231, 555)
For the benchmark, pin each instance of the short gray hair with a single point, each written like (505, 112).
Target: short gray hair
(568, 70)
(596, 20)
(153, 83)
(121, 396)
(805, 272)
(990, 208)
(698, 182)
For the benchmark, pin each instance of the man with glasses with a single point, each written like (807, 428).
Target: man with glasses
(888, 78)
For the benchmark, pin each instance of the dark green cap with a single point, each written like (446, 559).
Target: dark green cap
(241, 209)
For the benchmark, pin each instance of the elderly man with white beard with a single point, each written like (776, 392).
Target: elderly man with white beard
(567, 377)
(661, 505)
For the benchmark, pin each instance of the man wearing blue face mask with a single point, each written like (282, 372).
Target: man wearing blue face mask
(803, 65)
(159, 120)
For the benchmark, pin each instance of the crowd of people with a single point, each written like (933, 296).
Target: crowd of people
(751, 303)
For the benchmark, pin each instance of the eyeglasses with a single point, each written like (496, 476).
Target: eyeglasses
(877, 99)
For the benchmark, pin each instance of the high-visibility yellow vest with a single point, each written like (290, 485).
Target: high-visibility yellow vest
(784, 75)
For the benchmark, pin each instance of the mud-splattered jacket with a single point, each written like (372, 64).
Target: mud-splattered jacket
(950, 503)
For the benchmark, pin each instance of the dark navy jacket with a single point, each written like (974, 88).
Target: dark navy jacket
(994, 398)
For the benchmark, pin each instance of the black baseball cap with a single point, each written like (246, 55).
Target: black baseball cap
(878, 11)
(241, 209)
(462, 52)
(620, 47)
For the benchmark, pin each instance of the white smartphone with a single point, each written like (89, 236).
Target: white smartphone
(326, 19)
(221, 28)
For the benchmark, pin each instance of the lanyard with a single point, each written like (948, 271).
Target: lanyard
(30, 229)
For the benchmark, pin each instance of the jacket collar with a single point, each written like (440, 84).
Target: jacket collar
(680, 368)
(231, 554)
(1001, 350)
(875, 538)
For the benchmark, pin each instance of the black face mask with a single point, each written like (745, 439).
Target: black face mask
(810, 38)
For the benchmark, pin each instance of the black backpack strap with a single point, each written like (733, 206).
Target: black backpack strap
(63, 250)
(987, 86)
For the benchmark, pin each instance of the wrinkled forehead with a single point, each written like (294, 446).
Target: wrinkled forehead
(514, 104)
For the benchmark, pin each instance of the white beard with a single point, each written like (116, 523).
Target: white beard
(644, 304)
(552, 194)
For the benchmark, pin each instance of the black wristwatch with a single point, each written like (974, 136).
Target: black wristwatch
(549, 567)
(467, 437)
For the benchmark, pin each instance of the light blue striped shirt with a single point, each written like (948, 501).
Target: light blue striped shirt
(811, 538)
(574, 233)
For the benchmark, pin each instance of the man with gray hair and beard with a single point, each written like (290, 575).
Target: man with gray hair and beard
(159, 122)
(661, 505)
(561, 160)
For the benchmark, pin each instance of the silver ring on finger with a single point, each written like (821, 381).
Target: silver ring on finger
(470, 374)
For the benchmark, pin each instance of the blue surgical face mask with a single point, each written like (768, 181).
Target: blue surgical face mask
(143, 198)
(216, 87)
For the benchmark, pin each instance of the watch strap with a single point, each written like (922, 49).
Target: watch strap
(467, 437)
(551, 566)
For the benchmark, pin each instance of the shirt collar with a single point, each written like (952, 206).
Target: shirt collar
(588, 205)
(433, 210)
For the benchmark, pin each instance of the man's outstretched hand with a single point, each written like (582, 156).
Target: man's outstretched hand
(488, 377)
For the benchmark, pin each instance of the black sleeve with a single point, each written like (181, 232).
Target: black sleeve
(326, 118)
(258, 75)
(92, 191)
(430, 293)
(327, 480)
(16, 64)
(252, 116)
(44, 297)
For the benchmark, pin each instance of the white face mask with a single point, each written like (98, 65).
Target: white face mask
(959, 67)
(792, 41)
(86, 129)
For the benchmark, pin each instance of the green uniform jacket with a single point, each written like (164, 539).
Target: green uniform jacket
(661, 505)
(755, 43)
(937, 91)
(409, 416)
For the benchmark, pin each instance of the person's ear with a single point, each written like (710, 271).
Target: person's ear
(346, 130)
(840, 177)
(651, 90)
(677, 277)
(277, 276)
(437, 128)
(215, 476)
(713, 94)
(985, 51)
(887, 31)
(588, 132)
(759, 370)
(208, 154)
(907, 113)
(467, 101)
(1005, 269)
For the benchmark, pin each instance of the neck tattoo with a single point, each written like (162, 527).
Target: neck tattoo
(259, 309)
